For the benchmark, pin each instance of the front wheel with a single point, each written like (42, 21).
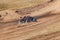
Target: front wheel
(34, 19)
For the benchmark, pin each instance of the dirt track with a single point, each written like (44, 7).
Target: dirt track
(17, 31)
(44, 26)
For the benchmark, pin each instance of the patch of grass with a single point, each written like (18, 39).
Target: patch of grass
(17, 4)
(3, 6)
(26, 3)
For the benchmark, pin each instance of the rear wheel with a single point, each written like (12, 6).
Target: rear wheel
(34, 19)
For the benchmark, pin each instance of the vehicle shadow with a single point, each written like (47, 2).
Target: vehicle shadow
(47, 15)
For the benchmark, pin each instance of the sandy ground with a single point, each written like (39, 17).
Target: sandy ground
(21, 33)
(46, 28)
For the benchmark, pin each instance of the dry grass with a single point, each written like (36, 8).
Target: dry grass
(3, 6)
(14, 4)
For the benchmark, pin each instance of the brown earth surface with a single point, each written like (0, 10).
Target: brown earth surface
(47, 26)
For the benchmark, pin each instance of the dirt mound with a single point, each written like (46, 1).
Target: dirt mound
(8, 15)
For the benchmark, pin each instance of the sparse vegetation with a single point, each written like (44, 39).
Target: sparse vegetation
(16, 4)
(3, 6)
